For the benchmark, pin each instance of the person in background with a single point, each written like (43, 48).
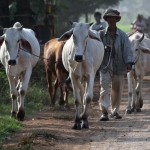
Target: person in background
(139, 24)
(117, 61)
(98, 25)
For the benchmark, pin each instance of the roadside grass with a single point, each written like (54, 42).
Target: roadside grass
(8, 126)
(36, 98)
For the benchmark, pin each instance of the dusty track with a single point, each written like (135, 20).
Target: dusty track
(52, 132)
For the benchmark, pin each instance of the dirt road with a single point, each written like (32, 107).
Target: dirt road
(51, 129)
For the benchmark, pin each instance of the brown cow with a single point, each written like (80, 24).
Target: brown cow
(54, 68)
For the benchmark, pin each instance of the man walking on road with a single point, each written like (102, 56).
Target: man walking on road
(118, 60)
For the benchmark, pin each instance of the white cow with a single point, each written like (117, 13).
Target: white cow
(18, 63)
(140, 46)
(82, 56)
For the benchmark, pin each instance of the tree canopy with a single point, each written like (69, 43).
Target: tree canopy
(64, 11)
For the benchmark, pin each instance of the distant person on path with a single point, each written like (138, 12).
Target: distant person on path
(98, 25)
(139, 24)
(117, 61)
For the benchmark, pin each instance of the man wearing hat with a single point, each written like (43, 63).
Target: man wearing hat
(118, 60)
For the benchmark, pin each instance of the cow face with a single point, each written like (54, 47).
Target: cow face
(12, 41)
(80, 37)
(79, 33)
(139, 43)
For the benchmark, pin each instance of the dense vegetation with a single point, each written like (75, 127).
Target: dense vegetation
(64, 11)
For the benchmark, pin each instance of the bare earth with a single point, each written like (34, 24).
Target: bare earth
(48, 130)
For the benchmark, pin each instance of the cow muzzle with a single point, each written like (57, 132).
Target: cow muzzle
(12, 62)
(79, 58)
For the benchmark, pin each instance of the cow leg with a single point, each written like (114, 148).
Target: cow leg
(14, 95)
(133, 96)
(22, 92)
(18, 87)
(140, 93)
(59, 75)
(77, 99)
(61, 98)
(87, 99)
(55, 90)
(50, 87)
(66, 98)
(139, 101)
(131, 93)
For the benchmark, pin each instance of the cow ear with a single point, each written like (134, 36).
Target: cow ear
(94, 35)
(3, 29)
(66, 36)
(1, 40)
(72, 24)
(26, 45)
(145, 50)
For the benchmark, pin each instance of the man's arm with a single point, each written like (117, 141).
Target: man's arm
(128, 53)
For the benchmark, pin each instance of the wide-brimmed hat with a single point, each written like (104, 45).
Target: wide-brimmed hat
(112, 12)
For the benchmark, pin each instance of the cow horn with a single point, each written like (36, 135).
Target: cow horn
(1, 28)
(20, 28)
(140, 39)
(131, 33)
(91, 23)
(71, 22)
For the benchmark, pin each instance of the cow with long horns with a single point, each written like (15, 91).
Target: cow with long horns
(141, 48)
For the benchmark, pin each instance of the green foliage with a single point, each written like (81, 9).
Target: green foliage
(3, 83)
(124, 27)
(7, 125)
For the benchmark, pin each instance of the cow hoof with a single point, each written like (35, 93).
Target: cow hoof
(13, 115)
(77, 125)
(21, 114)
(138, 110)
(85, 124)
(141, 103)
(132, 109)
(66, 107)
(129, 111)
(61, 102)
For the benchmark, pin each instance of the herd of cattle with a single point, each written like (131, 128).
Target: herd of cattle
(77, 54)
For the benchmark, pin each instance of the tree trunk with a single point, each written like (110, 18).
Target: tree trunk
(86, 17)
